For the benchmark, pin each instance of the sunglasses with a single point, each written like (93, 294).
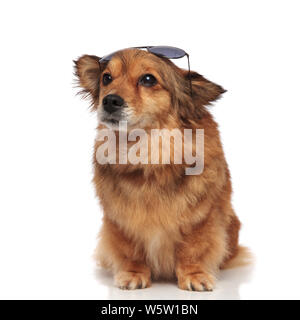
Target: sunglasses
(160, 51)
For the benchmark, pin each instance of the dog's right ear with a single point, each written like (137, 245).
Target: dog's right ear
(88, 71)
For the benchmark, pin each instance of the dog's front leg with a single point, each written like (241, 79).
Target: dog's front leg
(200, 254)
(118, 253)
(133, 275)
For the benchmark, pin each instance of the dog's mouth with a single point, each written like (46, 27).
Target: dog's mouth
(111, 119)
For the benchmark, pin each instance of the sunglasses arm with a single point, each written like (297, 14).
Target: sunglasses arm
(188, 59)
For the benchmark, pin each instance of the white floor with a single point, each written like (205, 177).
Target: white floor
(230, 286)
(241, 283)
(74, 276)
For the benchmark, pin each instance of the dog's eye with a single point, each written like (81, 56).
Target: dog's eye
(106, 79)
(148, 80)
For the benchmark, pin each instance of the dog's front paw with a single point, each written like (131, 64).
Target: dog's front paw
(196, 282)
(132, 280)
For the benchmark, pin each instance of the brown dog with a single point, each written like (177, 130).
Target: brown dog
(159, 222)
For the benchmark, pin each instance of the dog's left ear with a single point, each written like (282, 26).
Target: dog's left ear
(88, 71)
(203, 89)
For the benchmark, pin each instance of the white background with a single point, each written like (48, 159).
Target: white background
(49, 217)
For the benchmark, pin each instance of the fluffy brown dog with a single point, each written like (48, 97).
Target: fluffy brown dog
(159, 222)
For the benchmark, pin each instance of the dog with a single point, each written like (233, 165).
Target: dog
(159, 222)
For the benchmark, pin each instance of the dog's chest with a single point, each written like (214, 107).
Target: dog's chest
(159, 247)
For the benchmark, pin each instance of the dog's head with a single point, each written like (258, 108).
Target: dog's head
(143, 89)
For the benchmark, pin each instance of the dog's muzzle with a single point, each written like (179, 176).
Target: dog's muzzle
(112, 110)
(112, 103)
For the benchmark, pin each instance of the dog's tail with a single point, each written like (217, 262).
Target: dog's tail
(242, 258)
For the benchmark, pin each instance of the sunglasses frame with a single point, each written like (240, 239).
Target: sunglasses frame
(159, 55)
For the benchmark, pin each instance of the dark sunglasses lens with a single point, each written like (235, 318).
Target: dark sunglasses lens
(168, 52)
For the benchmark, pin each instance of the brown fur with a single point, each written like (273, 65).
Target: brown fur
(159, 222)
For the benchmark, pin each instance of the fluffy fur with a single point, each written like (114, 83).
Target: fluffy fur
(159, 222)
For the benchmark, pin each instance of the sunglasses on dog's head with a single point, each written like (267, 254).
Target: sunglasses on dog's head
(160, 51)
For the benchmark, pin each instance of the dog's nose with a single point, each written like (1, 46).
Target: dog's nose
(112, 103)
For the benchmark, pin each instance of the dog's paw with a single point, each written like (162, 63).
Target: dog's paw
(196, 282)
(132, 280)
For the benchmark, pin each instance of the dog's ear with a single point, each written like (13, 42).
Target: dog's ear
(204, 90)
(191, 105)
(88, 71)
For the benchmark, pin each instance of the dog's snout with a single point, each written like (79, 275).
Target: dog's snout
(112, 103)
